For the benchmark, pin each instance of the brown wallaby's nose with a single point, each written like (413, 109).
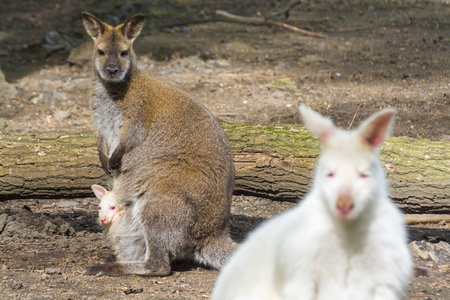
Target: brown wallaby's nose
(112, 69)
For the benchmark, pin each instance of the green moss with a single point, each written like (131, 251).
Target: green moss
(272, 139)
(286, 83)
(238, 45)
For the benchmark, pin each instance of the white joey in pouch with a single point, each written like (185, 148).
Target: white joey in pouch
(346, 240)
(109, 210)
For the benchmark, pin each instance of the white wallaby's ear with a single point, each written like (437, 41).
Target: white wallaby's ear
(99, 191)
(377, 128)
(318, 125)
(94, 27)
(133, 26)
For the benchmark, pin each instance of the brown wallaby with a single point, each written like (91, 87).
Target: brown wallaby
(173, 160)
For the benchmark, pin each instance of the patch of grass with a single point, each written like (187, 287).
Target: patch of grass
(286, 83)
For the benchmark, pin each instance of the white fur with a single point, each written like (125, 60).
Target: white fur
(319, 251)
(108, 116)
(127, 236)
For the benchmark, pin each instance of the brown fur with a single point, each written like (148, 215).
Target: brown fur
(176, 173)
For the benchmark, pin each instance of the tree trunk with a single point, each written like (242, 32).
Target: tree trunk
(272, 161)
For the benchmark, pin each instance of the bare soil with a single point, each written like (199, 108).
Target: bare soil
(377, 54)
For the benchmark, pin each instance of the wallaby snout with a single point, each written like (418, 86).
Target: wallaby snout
(344, 205)
(112, 69)
(103, 219)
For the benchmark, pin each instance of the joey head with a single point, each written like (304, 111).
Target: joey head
(109, 209)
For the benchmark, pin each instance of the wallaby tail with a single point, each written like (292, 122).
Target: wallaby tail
(216, 252)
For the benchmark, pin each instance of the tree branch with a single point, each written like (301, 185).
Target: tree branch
(261, 21)
(224, 16)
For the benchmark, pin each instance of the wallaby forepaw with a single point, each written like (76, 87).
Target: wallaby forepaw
(113, 164)
(104, 162)
(107, 170)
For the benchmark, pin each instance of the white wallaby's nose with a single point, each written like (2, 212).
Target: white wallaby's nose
(344, 205)
(103, 219)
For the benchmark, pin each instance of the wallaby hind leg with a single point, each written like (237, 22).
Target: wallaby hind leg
(216, 251)
(156, 263)
(147, 268)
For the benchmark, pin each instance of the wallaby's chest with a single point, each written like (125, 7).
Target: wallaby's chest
(109, 117)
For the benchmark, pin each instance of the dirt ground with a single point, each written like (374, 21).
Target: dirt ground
(377, 54)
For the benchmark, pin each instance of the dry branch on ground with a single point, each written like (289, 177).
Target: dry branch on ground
(268, 20)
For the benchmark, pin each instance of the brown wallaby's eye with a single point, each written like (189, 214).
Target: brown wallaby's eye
(100, 52)
(124, 54)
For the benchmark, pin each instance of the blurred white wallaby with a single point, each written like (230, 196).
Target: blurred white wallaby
(346, 240)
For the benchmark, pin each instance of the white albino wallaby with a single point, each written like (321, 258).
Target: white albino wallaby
(109, 210)
(345, 240)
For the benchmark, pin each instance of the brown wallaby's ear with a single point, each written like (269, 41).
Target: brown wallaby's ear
(94, 27)
(133, 26)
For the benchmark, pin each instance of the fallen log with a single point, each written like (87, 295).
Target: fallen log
(426, 218)
(275, 162)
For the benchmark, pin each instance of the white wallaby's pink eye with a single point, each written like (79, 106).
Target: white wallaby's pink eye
(330, 174)
(113, 207)
(99, 207)
(363, 175)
